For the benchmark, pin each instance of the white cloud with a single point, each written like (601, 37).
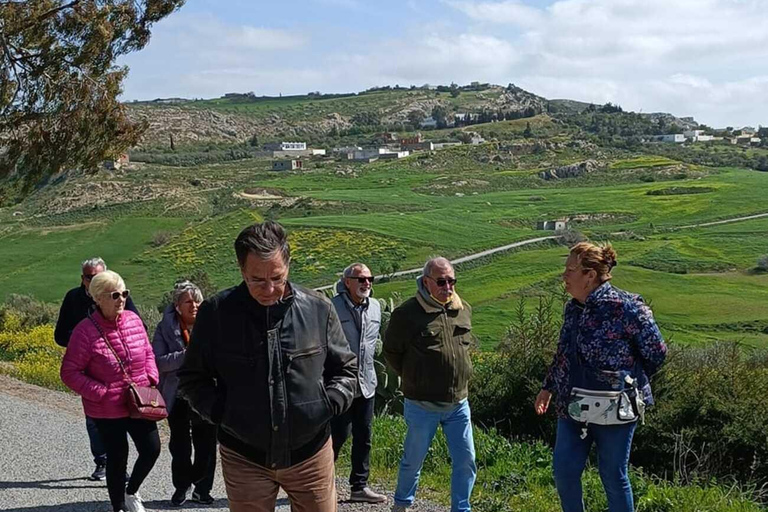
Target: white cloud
(690, 57)
(508, 12)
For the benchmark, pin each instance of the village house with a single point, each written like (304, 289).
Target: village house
(672, 137)
(552, 225)
(286, 165)
(116, 164)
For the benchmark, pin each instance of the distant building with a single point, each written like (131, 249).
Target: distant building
(552, 225)
(285, 146)
(476, 139)
(412, 140)
(672, 137)
(428, 122)
(393, 155)
(286, 165)
(755, 141)
(344, 150)
(387, 137)
(116, 164)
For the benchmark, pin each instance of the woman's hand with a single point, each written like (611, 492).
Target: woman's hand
(542, 401)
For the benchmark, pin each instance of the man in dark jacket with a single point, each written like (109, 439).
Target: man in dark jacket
(269, 364)
(73, 309)
(361, 320)
(427, 343)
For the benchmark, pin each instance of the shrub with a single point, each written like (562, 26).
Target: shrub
(161, 238)
(23, 312)
(762, 263)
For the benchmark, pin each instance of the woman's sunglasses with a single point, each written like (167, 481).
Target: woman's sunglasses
(116, 295)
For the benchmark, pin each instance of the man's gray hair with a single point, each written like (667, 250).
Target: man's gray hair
(437, 261)
(182, 288)
(93, 263)
(348, 271)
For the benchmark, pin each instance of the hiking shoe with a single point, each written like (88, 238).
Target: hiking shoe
(204, 498)
(133, 503)
(179, 497)
(100, 473)
(366, 495)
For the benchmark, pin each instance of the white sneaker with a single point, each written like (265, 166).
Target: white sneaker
(133, 503)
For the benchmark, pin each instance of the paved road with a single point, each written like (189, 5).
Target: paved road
(44, 459)
(522, 243)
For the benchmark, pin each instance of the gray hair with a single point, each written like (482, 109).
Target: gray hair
(104, 282)
(353, 266)
(182, 288)
(437, 261)
(93, 263)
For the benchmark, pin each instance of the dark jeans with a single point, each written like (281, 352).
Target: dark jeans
(97, 446)
(571, 453)
(183, 421)
(357, 420)
(145, 437)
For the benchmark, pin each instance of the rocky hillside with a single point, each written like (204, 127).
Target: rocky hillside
(231, 120)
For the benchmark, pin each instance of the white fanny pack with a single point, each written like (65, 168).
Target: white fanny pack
(588, 406)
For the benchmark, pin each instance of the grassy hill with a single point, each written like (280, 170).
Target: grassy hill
(155, 223)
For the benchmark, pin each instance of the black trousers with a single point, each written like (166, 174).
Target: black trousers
(189, 430)
(357, 420)
(145, 437)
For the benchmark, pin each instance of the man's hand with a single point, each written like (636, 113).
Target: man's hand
(542, 401)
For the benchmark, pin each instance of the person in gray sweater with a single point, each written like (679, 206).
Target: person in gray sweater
(360, 317)
(170, 345)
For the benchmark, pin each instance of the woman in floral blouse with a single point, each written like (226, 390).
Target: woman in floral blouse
(609, 329)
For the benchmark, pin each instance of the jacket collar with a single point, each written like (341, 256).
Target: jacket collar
(602, 292)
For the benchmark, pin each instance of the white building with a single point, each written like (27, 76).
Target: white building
(672, 137)
(293, 146)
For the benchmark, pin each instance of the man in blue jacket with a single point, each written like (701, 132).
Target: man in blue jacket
(361, 320)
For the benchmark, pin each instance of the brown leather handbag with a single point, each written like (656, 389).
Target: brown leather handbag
(144, 402)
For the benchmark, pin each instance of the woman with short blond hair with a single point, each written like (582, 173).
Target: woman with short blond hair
(104, 342)
(609, 347)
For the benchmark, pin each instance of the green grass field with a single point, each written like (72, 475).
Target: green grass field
(701, 281)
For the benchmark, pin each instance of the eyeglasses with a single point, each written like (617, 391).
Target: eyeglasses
(88, 277)
(116, 295)
(363, 279)
(442, 281)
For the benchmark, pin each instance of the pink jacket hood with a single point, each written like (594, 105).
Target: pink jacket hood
(91, 370)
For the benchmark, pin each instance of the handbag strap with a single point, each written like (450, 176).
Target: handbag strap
(103, 335)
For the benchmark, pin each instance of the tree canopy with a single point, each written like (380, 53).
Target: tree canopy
(59, 83)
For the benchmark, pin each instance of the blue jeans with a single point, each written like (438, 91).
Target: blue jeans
(98, 450)
(571, 453)
(422, 426)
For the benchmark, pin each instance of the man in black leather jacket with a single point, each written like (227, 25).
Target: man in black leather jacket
(268, 363)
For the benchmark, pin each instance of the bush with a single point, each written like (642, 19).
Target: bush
(762, 263)
(161, 238)
(24, 312)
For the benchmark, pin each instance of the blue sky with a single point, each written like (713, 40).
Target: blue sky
(705, 58)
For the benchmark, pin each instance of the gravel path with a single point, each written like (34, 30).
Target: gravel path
(44, 459)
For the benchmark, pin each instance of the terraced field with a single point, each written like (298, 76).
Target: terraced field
(702, 281)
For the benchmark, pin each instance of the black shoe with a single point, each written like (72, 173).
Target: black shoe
(203, 498)
(179, 497)
(100, 473)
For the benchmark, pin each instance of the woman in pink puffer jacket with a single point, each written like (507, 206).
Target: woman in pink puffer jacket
(91, 370)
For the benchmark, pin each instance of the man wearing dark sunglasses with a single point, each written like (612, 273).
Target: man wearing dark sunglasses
(427, 344)
(77, 302)
(361, 320)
